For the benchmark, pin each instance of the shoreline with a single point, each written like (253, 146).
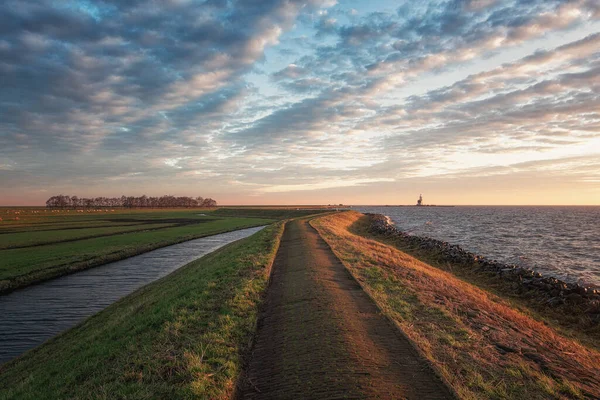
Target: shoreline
(486, 259)
(553, 290)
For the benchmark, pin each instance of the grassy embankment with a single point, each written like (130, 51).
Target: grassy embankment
(478, 343)
(572, 318)
(181, 337)
(40, 246)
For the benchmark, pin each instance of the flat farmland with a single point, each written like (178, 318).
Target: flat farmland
(40, 244)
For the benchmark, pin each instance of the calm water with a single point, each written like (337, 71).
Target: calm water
(33, 315)
(559, 241)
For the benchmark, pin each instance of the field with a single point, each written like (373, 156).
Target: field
(180, 337)
(270, 212)
(40, 244)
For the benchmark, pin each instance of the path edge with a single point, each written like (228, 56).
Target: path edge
(395, 326)
(247, 356)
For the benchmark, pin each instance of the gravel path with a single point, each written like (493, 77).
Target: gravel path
(321, 337)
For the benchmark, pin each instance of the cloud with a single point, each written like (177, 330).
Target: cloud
(292, 71)
(111, 77)
(466, 110)
(284, 95)
(322, 185)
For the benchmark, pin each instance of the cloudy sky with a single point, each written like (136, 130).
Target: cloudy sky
(301, 102)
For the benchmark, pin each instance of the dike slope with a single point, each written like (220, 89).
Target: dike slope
(321, 336)
(478, 342)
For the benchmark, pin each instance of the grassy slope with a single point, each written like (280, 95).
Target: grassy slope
(570, 319)
(484, 348)
(21, 267)
(181, 337)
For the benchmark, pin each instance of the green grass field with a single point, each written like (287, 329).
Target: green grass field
(41, 237)
(39, 244)
(268, 212)
(181, 337)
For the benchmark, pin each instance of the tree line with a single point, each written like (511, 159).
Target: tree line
(62, 201)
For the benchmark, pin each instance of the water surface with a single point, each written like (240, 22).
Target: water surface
(559, 241)
(34, 314)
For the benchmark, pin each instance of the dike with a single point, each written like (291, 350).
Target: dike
(550, 290)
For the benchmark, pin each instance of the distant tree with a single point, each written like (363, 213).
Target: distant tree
(166, 201)
(59, 201)
(209, 203)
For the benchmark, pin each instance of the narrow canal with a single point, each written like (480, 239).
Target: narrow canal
(32, 315)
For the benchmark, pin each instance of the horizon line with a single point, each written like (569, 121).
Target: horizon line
(351, 205)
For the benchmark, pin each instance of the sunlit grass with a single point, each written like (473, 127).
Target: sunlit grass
(480, 345)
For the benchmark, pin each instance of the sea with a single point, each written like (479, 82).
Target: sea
(558, 241)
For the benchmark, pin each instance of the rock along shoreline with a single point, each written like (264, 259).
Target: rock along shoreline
(552, 291)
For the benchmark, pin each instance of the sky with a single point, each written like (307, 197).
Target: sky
(301, 102)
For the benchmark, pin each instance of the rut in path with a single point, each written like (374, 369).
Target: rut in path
(321, 337)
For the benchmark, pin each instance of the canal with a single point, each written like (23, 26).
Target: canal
(32, 315)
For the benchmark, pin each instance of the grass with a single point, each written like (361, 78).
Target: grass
(182, 337)
(39, 247)
(36, 217)
(268, 212)
(476, 341)
(42, 237)
(570, 319)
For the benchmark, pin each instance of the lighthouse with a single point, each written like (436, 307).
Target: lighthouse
(420, 201)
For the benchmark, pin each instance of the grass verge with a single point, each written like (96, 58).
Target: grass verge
(181, 337)
(478, 343)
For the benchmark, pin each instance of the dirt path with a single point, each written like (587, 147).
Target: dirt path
(321, 337)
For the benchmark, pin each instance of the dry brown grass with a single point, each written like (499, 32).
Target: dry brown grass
(480, 345)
